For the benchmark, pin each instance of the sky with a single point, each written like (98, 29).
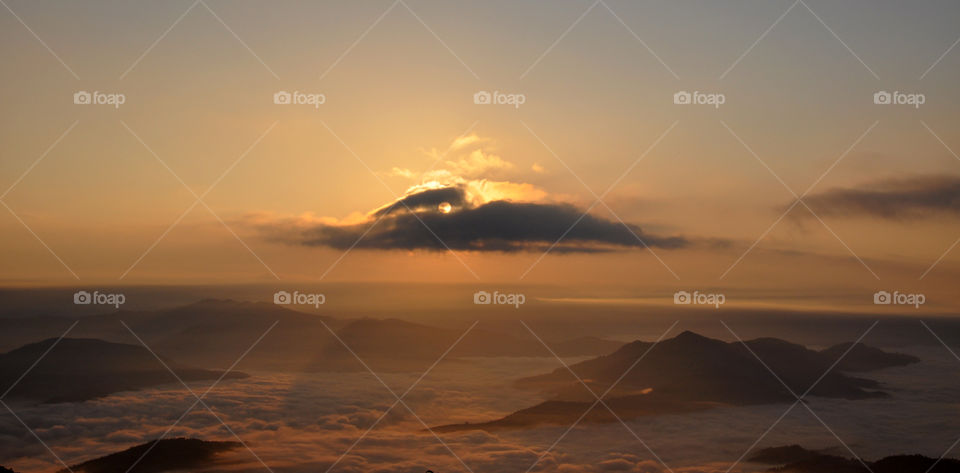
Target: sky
(199, 177)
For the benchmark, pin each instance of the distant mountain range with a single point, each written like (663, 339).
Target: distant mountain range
(178, 454)
(796, 459)
(214, 333)
(691, 372)
(82, 369)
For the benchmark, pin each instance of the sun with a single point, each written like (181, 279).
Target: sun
(445, 207)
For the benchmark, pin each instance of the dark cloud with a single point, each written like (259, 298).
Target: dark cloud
(915, 197)
(415, 223)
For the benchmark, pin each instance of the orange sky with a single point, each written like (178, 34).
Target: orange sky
(94, 191)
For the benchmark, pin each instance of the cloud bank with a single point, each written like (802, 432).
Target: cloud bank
(895, 199)
(447, 217)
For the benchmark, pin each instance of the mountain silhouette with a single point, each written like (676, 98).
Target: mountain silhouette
(691, 372)
(166, 455)
(83, 369)
(696, 368)
(796, 459)
(213, 333)
(6, 470)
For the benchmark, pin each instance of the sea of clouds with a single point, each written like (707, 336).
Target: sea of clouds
(297, 422)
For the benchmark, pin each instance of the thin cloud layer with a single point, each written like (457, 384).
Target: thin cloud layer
(436, 219)
(896, 199)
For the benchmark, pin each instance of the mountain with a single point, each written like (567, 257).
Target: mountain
(692, 367)
(165, 455)
(796, 459)
(6, 470)
(214, 333)
(689, 372)
(82, 369)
